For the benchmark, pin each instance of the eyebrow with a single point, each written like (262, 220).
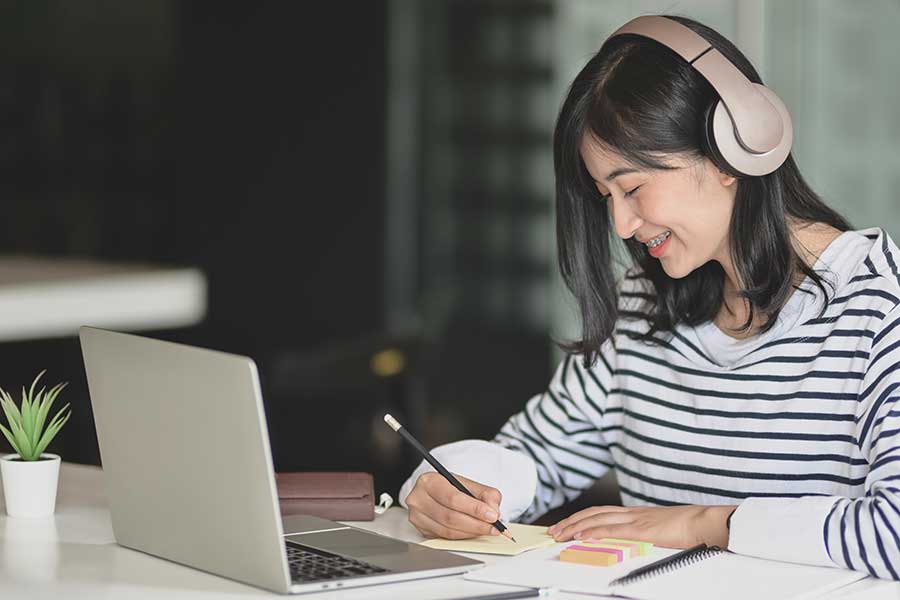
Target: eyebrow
(618, 172)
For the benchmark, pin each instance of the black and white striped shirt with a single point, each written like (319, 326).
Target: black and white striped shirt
(798, 426)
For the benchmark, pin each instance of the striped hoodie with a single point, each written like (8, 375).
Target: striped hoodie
(799, 426)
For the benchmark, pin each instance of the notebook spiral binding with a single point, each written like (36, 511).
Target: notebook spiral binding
(667, 566)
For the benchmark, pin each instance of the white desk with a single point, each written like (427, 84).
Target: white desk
(53, 297)
(74, 555)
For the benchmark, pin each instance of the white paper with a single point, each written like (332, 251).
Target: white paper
(729, 576)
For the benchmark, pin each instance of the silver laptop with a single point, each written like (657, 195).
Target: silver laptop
(189, 475)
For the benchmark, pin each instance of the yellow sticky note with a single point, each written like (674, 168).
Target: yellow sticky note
(528, 537)
(627, 550)
(596, 555)
(643, 548)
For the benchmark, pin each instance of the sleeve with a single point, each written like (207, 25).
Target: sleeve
(561, 431)
(545, 455)
(854, 533)
(510, 472)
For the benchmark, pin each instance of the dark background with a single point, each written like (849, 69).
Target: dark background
(257, 142)
(248, 139)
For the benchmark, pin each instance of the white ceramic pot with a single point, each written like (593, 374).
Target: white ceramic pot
(29, 487)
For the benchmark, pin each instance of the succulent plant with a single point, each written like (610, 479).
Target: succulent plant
(29, 432)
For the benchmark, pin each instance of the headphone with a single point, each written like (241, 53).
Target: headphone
(749, 127)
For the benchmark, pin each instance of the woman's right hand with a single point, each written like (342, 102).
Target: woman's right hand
(437, 509)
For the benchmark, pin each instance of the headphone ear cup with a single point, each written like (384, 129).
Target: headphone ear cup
(720, 131)
(708, 141)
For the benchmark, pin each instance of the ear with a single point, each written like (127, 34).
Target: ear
(725, 179)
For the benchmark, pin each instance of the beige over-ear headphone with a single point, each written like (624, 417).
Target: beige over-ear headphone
(750, 126)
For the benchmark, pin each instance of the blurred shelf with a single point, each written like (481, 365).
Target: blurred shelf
(43, 297)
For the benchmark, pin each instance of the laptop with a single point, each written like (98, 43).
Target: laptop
(189, 476)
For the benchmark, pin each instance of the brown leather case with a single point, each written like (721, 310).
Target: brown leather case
(336, 496)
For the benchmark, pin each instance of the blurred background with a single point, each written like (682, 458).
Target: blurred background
(357, 195)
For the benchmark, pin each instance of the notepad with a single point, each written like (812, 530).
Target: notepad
(723, 575)
(598, 556)
(528, 537)
(604, 552)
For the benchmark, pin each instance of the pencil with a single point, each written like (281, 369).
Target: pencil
(532, 593)
(396, 426)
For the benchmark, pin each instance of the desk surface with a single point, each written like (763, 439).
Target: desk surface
(73, 555)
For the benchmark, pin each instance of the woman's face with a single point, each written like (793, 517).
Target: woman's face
(691, 205)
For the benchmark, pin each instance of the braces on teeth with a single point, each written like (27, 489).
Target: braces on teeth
(659, 239)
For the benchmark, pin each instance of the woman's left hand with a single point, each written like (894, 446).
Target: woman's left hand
(667, 526)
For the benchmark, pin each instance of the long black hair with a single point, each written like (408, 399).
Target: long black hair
(641, 100)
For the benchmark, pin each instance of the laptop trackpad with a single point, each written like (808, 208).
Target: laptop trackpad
(351, 542)
(385, 552)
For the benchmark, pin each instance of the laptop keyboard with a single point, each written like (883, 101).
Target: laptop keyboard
(311, 564)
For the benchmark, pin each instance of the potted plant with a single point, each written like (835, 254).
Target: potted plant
(30, 475)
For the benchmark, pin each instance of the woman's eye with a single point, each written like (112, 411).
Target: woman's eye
(627, 194)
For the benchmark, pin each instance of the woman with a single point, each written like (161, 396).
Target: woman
(741, 377)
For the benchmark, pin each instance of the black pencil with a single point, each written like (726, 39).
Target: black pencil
(532, 593)
(396, 426)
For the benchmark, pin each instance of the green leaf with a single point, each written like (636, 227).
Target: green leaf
(44, 409)
(27, 418)
(31, 429)
(27, 433)
(9, 438)
(52, 430)
(25, 447)
(58, 414)
(34, 383)
(9, 405)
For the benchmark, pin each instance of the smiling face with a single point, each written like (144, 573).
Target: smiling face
(693, 203)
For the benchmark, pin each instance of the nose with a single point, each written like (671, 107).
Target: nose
(625, 218)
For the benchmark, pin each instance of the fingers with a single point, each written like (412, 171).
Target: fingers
(582, 514)
(444, 493)
(593, 510)
(591, 523)
(487, 494)
(456, 520)
(623, 530)
(437, 509)
(431, 528)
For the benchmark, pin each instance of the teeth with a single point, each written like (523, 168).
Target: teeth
(659, 239)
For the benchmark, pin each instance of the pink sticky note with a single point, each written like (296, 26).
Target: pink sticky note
(617, 552)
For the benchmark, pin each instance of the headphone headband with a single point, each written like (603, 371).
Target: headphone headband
(759, 131)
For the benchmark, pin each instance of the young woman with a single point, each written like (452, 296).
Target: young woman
(741, 377)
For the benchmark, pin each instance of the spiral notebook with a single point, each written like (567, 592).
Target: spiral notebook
(704, 573)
